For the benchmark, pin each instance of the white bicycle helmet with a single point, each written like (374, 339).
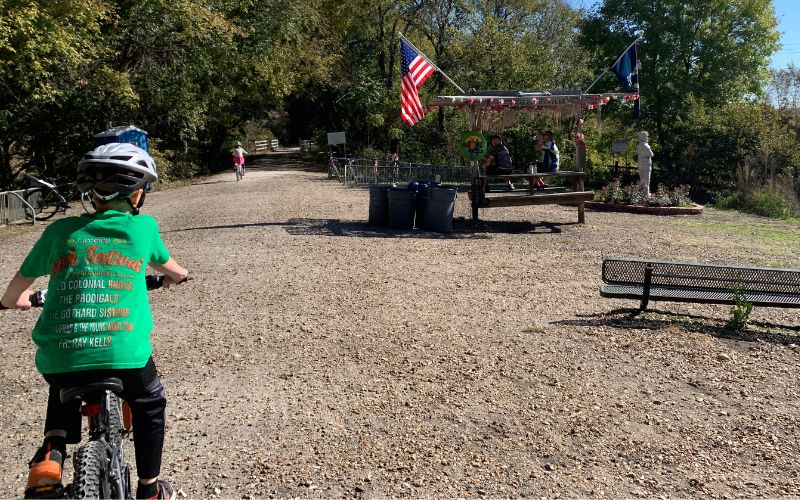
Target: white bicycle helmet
(115, 169)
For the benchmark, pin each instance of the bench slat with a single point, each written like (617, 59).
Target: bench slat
(529, 176)
(537, 199)
(669, 294)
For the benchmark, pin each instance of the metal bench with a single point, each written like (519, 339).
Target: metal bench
(657, 280)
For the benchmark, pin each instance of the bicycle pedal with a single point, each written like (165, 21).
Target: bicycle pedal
(49, 491)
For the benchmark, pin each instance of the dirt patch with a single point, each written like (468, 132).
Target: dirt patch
(314, 355)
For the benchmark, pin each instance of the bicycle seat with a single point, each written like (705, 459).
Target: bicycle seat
(112, 384)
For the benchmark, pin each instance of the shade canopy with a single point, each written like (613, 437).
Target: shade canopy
(497, 110)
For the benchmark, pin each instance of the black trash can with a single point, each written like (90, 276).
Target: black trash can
(401, 208)
(379, 204)
(439, 209)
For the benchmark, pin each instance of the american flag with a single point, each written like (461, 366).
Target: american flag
(415, 70)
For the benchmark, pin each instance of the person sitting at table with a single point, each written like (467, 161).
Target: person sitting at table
(498, 162)
(550, 159)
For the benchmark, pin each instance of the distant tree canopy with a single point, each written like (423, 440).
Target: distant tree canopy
(717, 51)
(198, 74)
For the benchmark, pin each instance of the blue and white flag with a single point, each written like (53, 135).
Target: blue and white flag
(627, 70)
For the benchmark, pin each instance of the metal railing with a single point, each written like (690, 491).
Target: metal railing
(362, 172)
(14, 208)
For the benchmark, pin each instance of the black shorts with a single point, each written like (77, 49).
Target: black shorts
(144, 393)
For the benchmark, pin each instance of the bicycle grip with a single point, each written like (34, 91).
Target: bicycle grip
(154, 281)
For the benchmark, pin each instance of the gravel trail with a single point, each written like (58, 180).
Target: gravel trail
(314, 355)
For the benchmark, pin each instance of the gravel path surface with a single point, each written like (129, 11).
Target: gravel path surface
(313, 355)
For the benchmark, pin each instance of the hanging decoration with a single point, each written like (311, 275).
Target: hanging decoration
(495, 111)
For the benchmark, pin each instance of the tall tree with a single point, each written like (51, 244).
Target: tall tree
(716, 51)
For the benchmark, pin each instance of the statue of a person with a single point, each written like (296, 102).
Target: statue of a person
(644, 160)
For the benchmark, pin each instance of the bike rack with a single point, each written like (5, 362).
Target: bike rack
(8, 220)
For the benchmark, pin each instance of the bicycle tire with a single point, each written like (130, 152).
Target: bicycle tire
(43, 203)
(116, 430)
(90, 479)
(34, 198)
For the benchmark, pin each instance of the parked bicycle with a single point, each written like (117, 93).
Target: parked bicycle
(100, 470)
(46, 198)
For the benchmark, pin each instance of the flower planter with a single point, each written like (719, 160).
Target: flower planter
(695, 209)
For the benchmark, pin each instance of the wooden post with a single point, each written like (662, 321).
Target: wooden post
(578, 184)
(474, 172)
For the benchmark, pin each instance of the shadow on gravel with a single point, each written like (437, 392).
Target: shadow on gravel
(654, 319)
(462, 229)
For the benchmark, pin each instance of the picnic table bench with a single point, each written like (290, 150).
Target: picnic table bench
(531, 196)
(658, 280)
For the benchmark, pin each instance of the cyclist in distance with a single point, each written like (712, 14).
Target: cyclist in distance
(238, 156)
(96, 321)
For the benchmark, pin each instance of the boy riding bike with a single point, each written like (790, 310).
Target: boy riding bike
(96, 321)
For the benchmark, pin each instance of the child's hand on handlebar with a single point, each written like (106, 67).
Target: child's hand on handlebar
(23, 302)
(169, 281)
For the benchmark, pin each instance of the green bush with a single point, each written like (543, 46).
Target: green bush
(768, 201)
(635, 194)
(173, 166)
(775, 198)
(370, 153)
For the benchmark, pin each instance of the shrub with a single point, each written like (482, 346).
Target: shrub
(775, 198)
(771, 201)
(679, 197)
(612, 193)
(370, 153)
(740, 312)
(660, 198)
(635, 194)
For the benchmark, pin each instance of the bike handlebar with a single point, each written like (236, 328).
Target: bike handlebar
(152, 281)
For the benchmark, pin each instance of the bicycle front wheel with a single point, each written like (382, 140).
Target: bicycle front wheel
(35, 199)
(91, 472)
(43, 204)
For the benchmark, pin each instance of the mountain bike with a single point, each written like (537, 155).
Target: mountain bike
(46, 198)
(99, 464)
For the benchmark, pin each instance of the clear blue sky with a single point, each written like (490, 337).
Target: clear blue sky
(788, 14)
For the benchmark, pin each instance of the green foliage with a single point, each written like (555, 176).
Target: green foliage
(776, 199)
(740, 312)
(198, 75)
(716, 51)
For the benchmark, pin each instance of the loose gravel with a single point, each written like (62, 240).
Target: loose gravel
(314, 355)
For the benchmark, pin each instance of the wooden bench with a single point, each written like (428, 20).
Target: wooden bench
(531, 196)
(657, 280)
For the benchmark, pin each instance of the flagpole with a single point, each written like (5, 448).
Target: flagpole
(437, 68)
(638, 39)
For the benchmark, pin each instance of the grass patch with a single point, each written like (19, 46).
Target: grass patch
(775, 241)
(680, 320)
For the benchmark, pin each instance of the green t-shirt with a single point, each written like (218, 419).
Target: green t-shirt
(97, 315)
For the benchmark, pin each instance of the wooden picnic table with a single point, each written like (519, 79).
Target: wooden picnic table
(531, 196)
